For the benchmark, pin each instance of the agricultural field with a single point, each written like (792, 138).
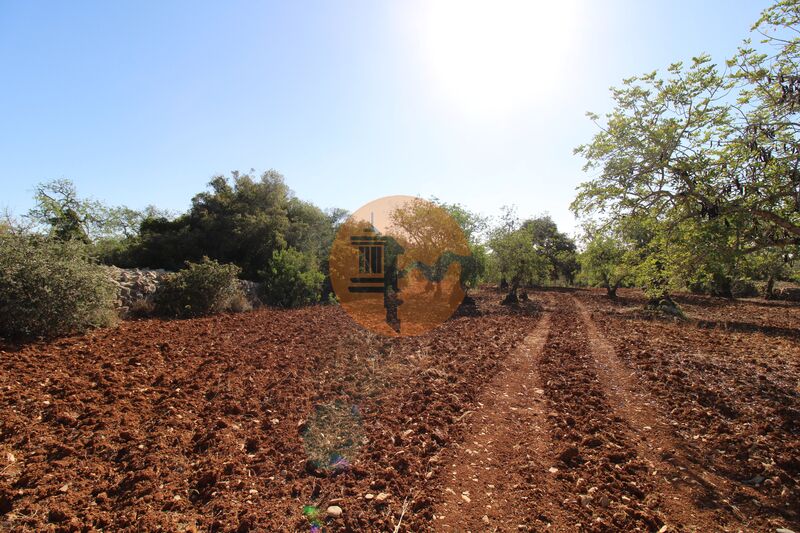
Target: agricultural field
(532, 266)
(568, 412)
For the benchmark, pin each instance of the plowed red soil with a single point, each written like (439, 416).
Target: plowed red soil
(570, 413)
(727, 381)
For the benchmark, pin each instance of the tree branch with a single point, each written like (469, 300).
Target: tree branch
(777, 220)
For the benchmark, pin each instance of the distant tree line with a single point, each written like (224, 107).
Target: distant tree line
(271, 236)
(255, 223)
(52, 282)
(530, 252)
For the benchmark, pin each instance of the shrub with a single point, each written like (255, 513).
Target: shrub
(50, 287)
(239, 303)
(142, 308)
(198, 289)
(292, 279)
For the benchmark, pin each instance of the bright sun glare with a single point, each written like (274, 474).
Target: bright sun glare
(492, 58)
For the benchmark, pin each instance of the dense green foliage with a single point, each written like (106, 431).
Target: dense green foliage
(241, 221)
(256, 224)
(515, 259)
(603, 263)
(473, 269)
(518, 261)
(50, 287)
(558, 248)
(292, 279)
(244, 221)
(706, 159)
(530, 252)
(474, 226)
(199, 289)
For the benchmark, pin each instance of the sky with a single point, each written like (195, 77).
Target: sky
(479, 103)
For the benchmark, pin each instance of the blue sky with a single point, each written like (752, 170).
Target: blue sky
(143, 102)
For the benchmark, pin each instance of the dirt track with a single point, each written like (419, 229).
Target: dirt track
(573, 413)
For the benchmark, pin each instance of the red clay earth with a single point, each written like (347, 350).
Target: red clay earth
(199, 424)
(572, 412)
(728, 382)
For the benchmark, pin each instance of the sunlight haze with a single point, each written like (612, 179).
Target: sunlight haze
(491, 60)
(143, 103)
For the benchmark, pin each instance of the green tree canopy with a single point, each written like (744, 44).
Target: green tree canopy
(241, 220)
(557, 247)
(707, 156)
(514, 257)
(66, 216)
(604, 262)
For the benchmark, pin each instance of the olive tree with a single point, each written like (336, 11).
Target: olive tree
(516, 259)
(603, 263)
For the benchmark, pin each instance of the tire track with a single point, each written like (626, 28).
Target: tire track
(566, 440)
(603, 484)
(487, 478)
(690, 494)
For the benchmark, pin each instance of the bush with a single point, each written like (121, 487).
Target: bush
(239, 303)
(292, 279)
(199, 289)
(50, 287)
(142, 308)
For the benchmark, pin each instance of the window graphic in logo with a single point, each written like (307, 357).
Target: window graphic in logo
(396, 265)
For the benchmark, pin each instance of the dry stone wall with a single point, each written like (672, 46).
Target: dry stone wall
(140, 284)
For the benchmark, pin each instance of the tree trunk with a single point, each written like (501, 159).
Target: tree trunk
(723, 286)
(611, 289)
(611, 292)
(512, 298)
(770, 287)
